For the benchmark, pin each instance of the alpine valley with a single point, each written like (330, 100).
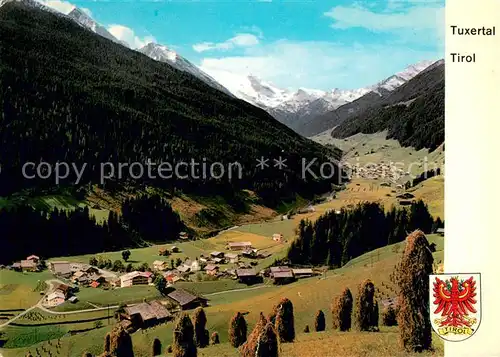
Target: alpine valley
(150, 208)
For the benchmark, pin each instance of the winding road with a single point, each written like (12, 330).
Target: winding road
(53, 282)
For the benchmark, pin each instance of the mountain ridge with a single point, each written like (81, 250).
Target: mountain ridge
(151, 50)
(413, 114)
(298, 108)
(164, 54)
(377, 95)
(102, 102)
(80, 17)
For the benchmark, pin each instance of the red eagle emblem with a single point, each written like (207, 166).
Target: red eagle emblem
(455, 300)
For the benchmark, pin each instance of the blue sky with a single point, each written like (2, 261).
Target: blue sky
(311, 44)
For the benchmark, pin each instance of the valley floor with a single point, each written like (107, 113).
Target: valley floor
(78, 332)
(307, 295)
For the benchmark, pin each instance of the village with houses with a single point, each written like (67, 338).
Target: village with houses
(239, 262)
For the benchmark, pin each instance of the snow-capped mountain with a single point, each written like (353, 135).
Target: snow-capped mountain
(294, 108)
(402, 77)
(31, 3)
(81, 18)
(155, 51)
(162, 53)
(76, 14)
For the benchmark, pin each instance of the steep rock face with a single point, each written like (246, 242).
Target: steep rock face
(164, 54)
(80, 17)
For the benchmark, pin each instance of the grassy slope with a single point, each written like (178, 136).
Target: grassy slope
(363, 149)
(374, 148)
(100, 203)
(17, 290)
(307, 295)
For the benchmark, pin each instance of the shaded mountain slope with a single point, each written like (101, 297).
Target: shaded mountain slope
(381, 94)
(331, 119)
(70, 95)
(413, 114)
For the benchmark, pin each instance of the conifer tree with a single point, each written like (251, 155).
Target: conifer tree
(285, 325)
(120, 343)
(374, 317)
(237, 330)
(365, 306)
(214, 339)
(389, 316)
(412, 277)
(249, 348)
(342, 311)
(107, 342)
(184, 340)
(156, 347)
(272, 315)
(201, 334)
(319, 323)
(267, 343)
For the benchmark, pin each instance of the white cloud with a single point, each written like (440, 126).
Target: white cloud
(322, 65)
(240, 40)
(62, 6)
(87, 11)
(414, 20)
(126, 34)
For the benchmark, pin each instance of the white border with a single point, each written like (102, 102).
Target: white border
(472, 149)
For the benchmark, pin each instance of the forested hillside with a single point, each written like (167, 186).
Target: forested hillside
(69, 95)
(50, 233)
(413, 114)
(335, 238)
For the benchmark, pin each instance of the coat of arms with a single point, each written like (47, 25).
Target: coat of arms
(455, 305)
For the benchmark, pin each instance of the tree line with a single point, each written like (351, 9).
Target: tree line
(335, 238)
(422, 177)
(56, 232)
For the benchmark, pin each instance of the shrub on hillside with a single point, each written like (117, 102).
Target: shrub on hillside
(169, 349)
(156, 347)
(365, 307)
(319, 323)
(87, 354)
(237, 330)
(200, 321)
(389, 317)
(412, 277)
(342, 311)
(285, 325)
(306, 329)
(183, 342)
(214, 339)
